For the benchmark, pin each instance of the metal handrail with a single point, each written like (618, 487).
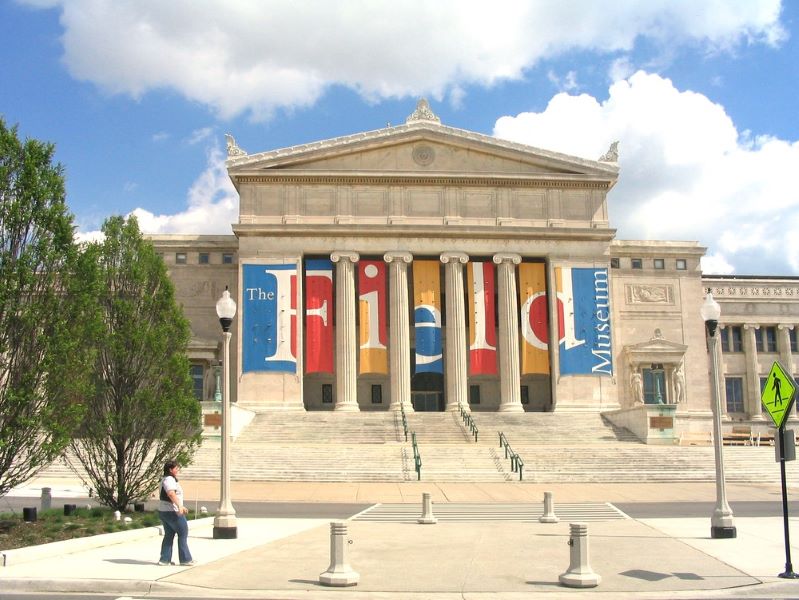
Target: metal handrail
(468, 420)
(417, 458)
(516, 462)
(404, 421)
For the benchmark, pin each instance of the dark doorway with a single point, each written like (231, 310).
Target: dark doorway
(427, 392)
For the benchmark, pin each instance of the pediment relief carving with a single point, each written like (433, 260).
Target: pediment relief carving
(657, 349)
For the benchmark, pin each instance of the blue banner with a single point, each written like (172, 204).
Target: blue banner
(584, 310)
(269, 318)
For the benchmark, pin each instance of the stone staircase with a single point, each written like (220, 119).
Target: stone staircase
(579, 429)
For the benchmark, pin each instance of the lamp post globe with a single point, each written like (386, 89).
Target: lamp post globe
(722, 524)
(225, 526)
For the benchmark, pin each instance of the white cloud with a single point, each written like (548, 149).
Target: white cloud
(160, 136)
(198, 135)
(686, 173)
(254, 56)
(213, 204)
(567, 83)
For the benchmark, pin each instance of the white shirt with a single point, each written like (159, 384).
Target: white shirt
(170, 484)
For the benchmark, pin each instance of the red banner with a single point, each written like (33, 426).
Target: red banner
(373, 330)
(318, 316)
(482, 324)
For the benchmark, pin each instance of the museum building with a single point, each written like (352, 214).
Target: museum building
(430, 268)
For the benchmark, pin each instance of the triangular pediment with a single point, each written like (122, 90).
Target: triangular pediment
(657, 349)
(419, 149)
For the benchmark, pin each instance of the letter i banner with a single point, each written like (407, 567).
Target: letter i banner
(534, 319)
(318, 316)
(427, 316)
(269, 318)
(482, 324)
(584, 321)
(373, 330)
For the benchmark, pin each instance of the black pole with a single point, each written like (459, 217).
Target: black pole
(788, 574)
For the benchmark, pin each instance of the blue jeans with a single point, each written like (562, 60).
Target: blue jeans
(174, 524)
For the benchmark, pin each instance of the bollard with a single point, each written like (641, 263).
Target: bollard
(549, 515)
(427, 517)
(117, 515)
(47, 498)
(203, 511)
(339, 573)
(69, 509)
(580, 574)
(29, 514)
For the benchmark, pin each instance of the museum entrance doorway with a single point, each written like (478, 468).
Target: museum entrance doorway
(427, 392)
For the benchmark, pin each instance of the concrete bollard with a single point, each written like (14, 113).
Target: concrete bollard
(117, 515)
(427, 517)
(339, 573)
(549, 515)
(580, 574)
(47, 498)
(29, 514)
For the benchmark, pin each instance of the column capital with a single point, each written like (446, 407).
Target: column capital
(405, 257)
(751, 326)
(512, 258)
(337, 256)
(786, 326)
(454, 257)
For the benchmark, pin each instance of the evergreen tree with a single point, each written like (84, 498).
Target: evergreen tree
(141, 410)
(42, 342)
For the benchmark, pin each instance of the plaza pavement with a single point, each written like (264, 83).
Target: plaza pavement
(480, 560)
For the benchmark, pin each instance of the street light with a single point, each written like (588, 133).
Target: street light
(721, 523)
(225, 519)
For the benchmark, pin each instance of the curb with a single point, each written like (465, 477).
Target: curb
(22, 555)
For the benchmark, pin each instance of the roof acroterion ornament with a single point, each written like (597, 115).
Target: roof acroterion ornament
(422, 113)
(612, 155)
(233, 149)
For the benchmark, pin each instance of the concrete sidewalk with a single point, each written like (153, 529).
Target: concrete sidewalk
(282, 558)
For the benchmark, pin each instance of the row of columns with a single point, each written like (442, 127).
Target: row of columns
(754, 406)
(456, 372)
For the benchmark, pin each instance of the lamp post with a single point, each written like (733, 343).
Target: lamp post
(225, 519)
(721, 523)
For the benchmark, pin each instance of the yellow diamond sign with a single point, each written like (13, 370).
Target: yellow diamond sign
(777, 395)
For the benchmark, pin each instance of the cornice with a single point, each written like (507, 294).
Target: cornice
(753, 291)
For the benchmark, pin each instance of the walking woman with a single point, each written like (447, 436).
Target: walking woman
(173, 517)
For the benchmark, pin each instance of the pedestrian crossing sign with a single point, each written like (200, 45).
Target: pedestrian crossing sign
(778, 394)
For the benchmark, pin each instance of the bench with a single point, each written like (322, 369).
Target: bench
(739, 436)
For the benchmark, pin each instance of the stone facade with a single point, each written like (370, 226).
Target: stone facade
(427, 193)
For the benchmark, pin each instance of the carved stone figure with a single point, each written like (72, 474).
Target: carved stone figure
(679, 384)
(637, 385)
(612, 155)
(422, 113)
(233, 148)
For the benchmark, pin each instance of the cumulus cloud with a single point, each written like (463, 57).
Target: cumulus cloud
(259, 55)
(213, 204)
(686, 171)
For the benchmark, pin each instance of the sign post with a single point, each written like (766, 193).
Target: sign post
(777, 398)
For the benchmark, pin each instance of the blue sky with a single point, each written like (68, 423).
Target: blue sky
(701, 94)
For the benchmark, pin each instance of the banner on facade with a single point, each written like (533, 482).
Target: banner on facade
(482, 323)
(584, 321)
(373, 330)
(427, 316)
(318, 316)
(269, 318)
(534, 320)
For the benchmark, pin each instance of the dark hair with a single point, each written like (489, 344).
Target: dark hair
(169, 465)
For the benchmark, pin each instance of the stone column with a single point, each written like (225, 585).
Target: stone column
(456, 374)
(752, 372)
(786, 356)
(399, 334)
(346, 345)
(510, 380)
(721, 371)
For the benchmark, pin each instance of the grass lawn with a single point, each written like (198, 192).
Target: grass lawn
(52, 525)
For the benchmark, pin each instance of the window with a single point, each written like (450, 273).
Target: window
(227, 258)
(474, 394)
(198, 381)
(614, 263)
(636, 263)
(660, 263)
(682, 265)
(377, 394)
(525, 394)
(731, 339)
(766, 339)
(327, 393)
(180, 258)
(654, 385)
(792, 339)
(763, 381)
(735, 394)
(203, 258)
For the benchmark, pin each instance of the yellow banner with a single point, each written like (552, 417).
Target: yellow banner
(534, 319)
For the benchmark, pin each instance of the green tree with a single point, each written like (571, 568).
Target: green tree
(42, 328)
(140, 410)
